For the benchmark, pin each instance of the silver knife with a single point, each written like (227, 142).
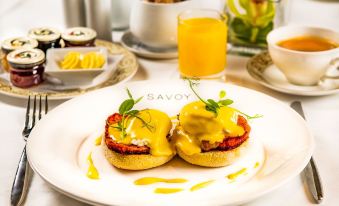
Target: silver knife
(311, 173)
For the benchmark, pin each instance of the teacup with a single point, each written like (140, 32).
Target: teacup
(304, 67)
(155, 24)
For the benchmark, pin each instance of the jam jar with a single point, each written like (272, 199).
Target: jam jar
(12, 44)
(26, 67)
(47, 37)
(79, 36)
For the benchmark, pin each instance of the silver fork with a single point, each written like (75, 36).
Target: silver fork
(21, 180)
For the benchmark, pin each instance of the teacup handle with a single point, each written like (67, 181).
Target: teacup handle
(333, 70)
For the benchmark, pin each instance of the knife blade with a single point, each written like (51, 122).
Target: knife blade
(311, 172)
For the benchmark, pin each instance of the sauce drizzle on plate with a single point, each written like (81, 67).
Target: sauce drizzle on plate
(92, 171)
(167, 190)
(201, 185)
(98, 141)
(152, 180)
(236, 174)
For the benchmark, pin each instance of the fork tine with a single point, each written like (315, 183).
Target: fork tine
(27, 112)
(34, 111)
(40, 105)
(46, 104)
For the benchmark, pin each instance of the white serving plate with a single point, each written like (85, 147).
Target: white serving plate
(59, 144)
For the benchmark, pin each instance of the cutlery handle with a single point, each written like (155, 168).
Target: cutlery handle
(318, 193)
(21, 180)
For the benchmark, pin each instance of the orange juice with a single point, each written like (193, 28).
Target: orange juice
(202, 46)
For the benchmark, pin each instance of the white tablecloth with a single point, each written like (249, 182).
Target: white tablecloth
(322, 113)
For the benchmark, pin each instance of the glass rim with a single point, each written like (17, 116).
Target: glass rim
(220, 15)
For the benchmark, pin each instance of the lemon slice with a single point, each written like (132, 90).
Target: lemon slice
(71, 60)
(85, 63)
(74, 60)
(100, 60)
(91, 57)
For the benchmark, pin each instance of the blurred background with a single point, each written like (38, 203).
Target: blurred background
(18, 16)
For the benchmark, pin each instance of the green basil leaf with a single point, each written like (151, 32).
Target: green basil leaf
(126, 106)
(222, 94)
(210, 108)
(119, 124)
(129, 93)
(118, 128)
(132, 112)
(213, 103)
(138, 100)
(226, 102)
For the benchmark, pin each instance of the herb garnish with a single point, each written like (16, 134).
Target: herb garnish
(211, 105)
(214, 106)
(126, 110)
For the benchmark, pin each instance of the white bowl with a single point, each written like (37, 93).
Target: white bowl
(54, 56)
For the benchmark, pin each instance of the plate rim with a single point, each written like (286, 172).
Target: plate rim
(249, 69)
(253, 196)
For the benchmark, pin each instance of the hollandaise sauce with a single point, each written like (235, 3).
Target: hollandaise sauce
(167, 190)
(148, 128)
(152, 180)
(197, 125)
(92, 171)
(98, 141)
(201, 185)
(174, 117)
(233, 176)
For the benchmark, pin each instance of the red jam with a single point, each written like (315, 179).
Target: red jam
(79, 37)
(26, 67)
(27, 77)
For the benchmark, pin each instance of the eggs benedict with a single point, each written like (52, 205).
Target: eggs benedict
(137, 140)
(210, 133)
(204, 139)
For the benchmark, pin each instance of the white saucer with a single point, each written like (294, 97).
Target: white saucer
(262, 69)
(129, 41)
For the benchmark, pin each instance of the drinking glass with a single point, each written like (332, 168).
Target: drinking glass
(121, 10)
(251, 20)
(202, 38)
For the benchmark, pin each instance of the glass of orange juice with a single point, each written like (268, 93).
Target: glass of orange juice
(202, 39)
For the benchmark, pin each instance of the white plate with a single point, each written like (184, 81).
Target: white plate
(125, 70)
(58, 147)
(262, 69)
(130, 42)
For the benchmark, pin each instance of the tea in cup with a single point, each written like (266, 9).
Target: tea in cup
(304, 54)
